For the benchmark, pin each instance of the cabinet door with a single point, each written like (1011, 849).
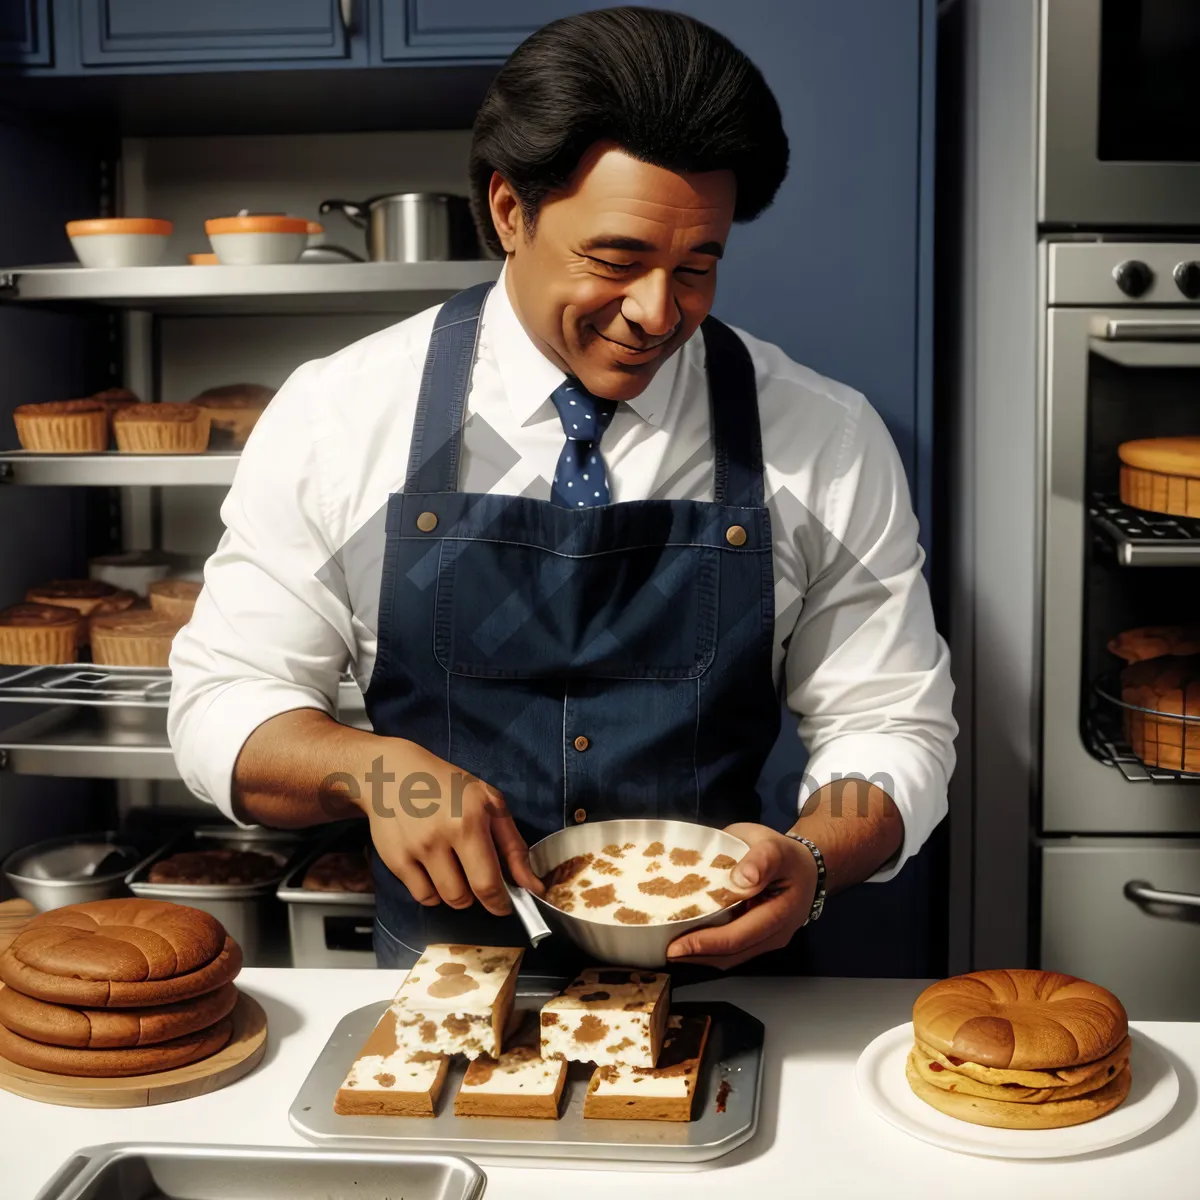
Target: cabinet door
(466, 28)
(25, 32)
(115, 32)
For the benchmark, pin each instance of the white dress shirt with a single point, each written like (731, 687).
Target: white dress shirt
(290, 597)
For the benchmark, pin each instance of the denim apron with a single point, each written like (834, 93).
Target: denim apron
(591, 664)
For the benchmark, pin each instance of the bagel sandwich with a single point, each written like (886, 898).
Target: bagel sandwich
(1019, 1049)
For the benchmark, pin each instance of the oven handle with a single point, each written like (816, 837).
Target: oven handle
(1132, 342)
(1124, 329)
(1141, 892)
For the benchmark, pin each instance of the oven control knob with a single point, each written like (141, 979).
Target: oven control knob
(1187, 277)
(1133, 277)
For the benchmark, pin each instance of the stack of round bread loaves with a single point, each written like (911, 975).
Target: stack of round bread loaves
(1019, 1049)
(117, 987)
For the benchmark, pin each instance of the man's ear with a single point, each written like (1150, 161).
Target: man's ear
(506, 212)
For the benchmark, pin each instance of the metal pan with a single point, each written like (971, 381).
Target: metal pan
(734, 1056)
(251, 914)
(329, 929)
(137, 1171)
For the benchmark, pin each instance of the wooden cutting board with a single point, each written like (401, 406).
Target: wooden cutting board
(14, 915)
(242, 1054)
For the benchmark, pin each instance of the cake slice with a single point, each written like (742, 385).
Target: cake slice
(386, 1080)
(457, 1000)
(520, 1083)
(662, 1093)
(610, 1017)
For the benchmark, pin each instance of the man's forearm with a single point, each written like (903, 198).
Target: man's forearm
(286, 773)
(856, 826)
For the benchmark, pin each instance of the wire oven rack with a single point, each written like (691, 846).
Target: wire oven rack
(1105, 732)
(1145, 539)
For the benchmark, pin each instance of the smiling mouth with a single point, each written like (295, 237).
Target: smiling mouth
(640, 349)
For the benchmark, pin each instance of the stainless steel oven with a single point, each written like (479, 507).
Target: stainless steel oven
(1119, 117)
(1119, 835)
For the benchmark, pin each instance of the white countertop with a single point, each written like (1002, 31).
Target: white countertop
(815, 1136)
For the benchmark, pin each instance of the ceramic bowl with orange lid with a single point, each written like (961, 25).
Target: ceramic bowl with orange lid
(255, 239)
(119, 241)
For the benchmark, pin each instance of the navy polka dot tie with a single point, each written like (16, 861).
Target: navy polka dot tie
(580, 480)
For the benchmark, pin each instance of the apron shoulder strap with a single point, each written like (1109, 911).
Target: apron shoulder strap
(733, 406)
(441, 404)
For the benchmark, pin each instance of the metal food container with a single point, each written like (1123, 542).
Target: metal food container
(250, 912)
(412, 226)
(163, 1171)
(73, 870)
(629, 945)
(329, 929)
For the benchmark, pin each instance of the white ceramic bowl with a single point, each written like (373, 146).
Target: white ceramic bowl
(255, 241)
(119, 241)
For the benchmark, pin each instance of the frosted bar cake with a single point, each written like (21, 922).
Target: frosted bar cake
(388, 1081)
(662, 1093)
(608, 1016)
(519, 1084)
(457, 1000)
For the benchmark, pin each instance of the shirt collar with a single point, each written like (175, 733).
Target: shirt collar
(529, 377)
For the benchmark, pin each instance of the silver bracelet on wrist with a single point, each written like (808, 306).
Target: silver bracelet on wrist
(818, 904)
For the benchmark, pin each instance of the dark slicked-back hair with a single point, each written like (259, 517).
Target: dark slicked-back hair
(666, 88)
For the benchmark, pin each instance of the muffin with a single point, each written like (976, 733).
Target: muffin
(174, 598)
(161, 429)
(62, 427)
(85, 596)
(233, 411)
(39, 634)
(1169, 689)
(138, 637)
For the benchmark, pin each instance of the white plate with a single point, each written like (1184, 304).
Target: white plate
(882, 1085)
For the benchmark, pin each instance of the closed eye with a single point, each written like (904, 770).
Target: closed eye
(612, 266)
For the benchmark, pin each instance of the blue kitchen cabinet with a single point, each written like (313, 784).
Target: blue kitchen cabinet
(463, 29)
(115, 33)
(25, 32)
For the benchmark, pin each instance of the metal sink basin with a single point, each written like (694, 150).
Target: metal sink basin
(149, 1171)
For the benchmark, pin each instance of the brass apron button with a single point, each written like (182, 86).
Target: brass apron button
(581, 743)
(427, 522)
(735, 535)
(580, 816)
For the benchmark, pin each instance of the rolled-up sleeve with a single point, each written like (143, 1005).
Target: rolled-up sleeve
(267, 635)
(866, 671)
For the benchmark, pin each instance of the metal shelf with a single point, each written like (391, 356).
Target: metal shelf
(116, 731)
(113, 468)
(1145, 539)
(90, 742)
(276, 288)
(92, 685)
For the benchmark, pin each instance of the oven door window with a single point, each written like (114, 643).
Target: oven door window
(1149, 89)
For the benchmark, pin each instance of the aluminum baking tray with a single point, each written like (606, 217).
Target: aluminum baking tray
(329, 929)
(250, 912)
(163, 1171)
(734, 1056)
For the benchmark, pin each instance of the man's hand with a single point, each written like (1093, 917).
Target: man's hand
(446, 836)
(782, 877)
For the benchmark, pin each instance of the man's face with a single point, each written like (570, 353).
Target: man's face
(621, 268)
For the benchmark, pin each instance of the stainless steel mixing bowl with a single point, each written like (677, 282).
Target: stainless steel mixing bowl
(629, 945)
(72, 870)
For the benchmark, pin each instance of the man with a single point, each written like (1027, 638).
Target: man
(588, 494)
